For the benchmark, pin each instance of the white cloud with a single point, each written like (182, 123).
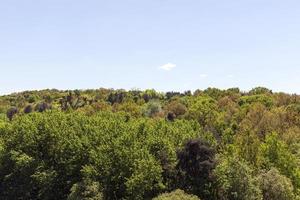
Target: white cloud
(230, 76)
(167, 67)
(203, 75)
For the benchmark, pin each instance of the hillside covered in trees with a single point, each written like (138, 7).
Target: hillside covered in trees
(109, 144)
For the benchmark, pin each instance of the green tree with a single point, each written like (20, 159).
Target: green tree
(260, 90)
(276, 186)
(204, 110)
(152, 109)
(235, 180)
(275, 153)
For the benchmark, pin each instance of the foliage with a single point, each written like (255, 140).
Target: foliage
(152, 109)
(276, 186)
(176, 195)
(204, 110)
(86, 190)
(117, 144)
(195, 165)
(236, 180)
(11, 113)
(275, 153)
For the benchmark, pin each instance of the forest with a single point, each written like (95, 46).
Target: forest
(110, 144)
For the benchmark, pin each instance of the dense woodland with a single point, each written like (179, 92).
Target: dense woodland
(115, 144)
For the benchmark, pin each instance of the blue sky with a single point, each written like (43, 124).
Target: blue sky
(161, 44)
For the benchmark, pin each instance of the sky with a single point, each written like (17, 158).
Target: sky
(168, 45)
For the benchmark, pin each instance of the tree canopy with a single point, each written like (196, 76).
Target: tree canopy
(116, 144)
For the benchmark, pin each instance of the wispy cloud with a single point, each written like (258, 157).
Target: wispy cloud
(203, 75)
(167, 67)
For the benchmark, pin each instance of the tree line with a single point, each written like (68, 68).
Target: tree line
(115, 144)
